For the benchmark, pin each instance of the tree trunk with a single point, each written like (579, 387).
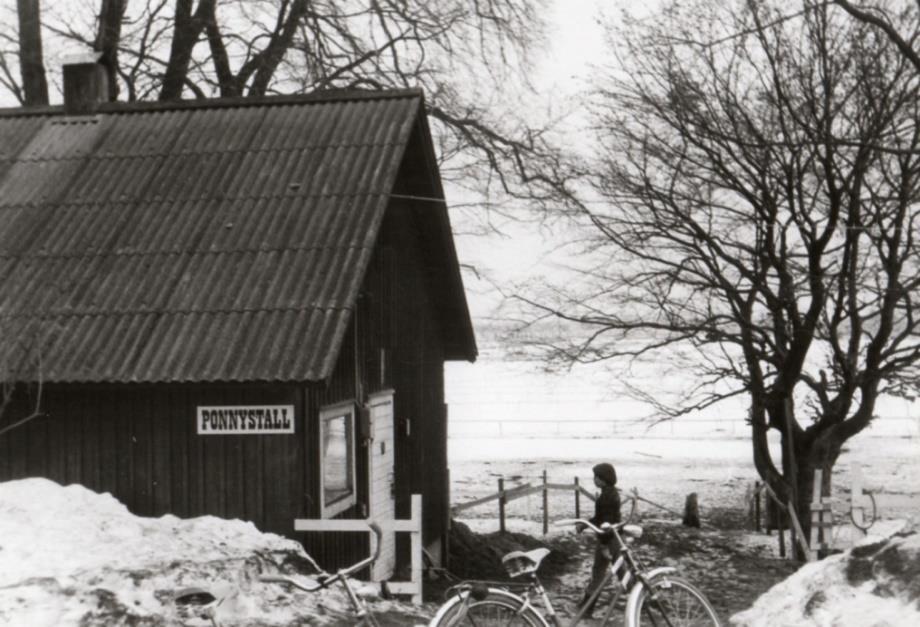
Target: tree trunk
(110, 18)
(819, 454)
(187, 30)
(31, 63)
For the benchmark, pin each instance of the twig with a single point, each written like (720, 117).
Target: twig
(22, 422)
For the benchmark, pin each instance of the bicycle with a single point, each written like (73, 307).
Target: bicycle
(204, 603)
(655, 597)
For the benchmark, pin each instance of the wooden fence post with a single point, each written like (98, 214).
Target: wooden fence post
(817, 541)
(577, 499)
(501, 505)
(413, 526)
(416, 544)
(545, 505)
(793, 538)
(781, 535)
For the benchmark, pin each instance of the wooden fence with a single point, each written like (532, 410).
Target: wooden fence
(504, 496)
(821, 512)
(797, 536)
(412, 526)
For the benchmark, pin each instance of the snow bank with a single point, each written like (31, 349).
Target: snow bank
(876, 583)
(70, 556)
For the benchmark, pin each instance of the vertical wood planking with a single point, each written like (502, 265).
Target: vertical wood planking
(108, 448)
(125, 449)
(57, 446)
(181, 428)
(36, 431)
(161, 452)
(251, 460)
(141, 439)
(233, 461)
(212, 449)
(196, 464)
(70, 424)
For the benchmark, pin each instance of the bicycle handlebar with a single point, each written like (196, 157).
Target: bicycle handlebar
(294, 582)
(604, 528)
(325, 579)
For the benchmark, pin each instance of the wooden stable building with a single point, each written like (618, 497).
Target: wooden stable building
(233, 307)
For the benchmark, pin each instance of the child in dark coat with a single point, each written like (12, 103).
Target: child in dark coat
(606, 510)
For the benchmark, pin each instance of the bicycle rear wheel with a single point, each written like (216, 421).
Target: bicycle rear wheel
(680, 601)
(498, 609)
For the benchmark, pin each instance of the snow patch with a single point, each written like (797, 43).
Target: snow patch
(71, 556)
(876, 583)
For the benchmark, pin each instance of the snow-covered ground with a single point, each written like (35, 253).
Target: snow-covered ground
(873, 584)
(666, 470)
(70, 556)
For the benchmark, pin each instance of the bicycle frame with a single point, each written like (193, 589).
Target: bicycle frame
(325, 580)
(625, 570)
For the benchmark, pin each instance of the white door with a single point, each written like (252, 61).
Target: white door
(381, 466)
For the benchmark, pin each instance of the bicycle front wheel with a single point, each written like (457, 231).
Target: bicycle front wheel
(673, 601)
(497, 609)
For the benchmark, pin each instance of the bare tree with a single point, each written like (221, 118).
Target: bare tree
(471, 57)
(31, 64)
(756, 214)
(879, 15)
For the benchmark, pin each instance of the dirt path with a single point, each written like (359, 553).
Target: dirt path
(732, 567)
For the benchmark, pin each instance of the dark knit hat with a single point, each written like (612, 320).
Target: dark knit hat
(606, 473)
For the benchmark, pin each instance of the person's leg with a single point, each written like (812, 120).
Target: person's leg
(598, 572)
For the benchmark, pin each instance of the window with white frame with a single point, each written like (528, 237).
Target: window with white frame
(337, 458)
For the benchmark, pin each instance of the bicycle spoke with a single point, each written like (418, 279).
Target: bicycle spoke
(493, 615)
(677, 604)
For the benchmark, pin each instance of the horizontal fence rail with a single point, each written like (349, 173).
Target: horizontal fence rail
(504, 496)
(412, 526)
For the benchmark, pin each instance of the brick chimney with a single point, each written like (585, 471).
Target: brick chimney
(86, 83)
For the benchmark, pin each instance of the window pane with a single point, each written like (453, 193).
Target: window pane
(337, 480)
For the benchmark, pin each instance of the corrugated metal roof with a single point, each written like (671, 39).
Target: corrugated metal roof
(193, 243)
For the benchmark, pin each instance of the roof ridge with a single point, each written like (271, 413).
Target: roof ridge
(196, 152)
(161, 311)
(173, 199)
(173, 252)
(315, 97)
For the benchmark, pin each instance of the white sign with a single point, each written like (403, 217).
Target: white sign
(246, 420)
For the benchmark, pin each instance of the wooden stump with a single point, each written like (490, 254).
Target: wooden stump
(692, 511)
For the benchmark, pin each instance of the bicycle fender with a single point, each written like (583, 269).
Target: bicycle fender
(463, 597)
(637, 589)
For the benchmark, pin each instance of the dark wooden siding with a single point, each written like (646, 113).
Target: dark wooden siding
(417, 371)
(140, 444)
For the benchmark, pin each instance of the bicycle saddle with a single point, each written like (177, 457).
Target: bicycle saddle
(519, 563)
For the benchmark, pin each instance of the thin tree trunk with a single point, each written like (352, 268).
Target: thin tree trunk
(107, 38)
(31, 63)
(271, 56)
(186, 33)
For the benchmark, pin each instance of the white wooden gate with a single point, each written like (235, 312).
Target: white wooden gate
(381, 468)
(413, 527)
